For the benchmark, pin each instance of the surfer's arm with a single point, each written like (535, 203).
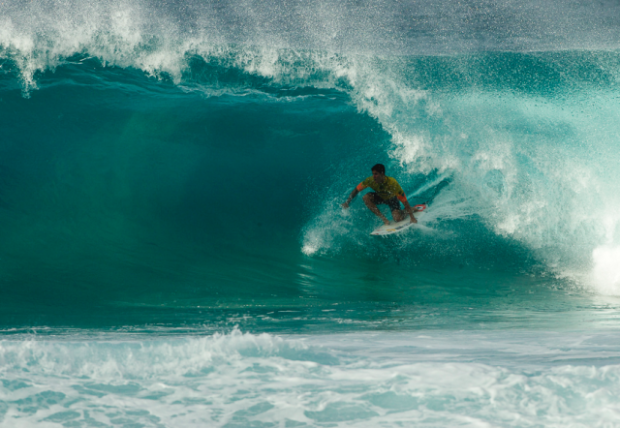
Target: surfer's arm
(353, 194)
(408, 208)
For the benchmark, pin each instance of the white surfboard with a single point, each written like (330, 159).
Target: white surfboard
(395, 227)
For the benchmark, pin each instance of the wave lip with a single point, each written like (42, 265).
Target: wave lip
(159, 37)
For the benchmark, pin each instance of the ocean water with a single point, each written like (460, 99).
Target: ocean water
(172, 248)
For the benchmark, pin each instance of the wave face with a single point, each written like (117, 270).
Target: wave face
(166, 158)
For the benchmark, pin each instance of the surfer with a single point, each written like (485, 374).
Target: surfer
(386, 191)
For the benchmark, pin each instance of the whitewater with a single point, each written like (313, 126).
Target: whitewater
(173, 250)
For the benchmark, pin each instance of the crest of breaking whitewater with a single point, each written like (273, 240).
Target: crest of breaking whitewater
(172, 247)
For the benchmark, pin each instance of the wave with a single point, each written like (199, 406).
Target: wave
(515, 150)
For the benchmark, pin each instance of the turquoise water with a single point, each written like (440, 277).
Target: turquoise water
(173, 251)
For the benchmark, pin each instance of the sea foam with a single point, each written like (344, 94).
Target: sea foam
(360, 380)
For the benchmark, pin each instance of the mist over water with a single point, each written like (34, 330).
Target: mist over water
(173, 249)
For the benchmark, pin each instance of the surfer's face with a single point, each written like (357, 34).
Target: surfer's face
(379, 177)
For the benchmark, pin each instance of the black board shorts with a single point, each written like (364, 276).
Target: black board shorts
(393, 203)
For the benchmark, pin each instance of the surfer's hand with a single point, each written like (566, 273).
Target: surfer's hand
(345, 205)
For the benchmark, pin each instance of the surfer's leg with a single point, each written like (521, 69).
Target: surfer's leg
(369, 200)
(398, 215)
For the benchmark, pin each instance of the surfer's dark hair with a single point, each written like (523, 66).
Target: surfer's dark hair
(379, 168)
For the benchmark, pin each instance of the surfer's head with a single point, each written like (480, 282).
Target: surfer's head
(378, 173)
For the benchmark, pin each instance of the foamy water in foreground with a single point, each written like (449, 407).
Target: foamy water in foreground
(425, 378)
